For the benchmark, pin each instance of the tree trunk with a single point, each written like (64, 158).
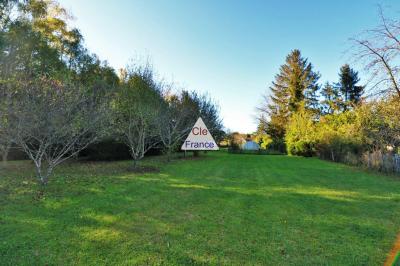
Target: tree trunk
(4, 155)
(135, 163)
(49, 171)
(42, 178)
(168, 155)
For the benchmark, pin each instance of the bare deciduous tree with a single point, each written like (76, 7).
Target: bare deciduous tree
(176, 120)
(379, 50)
(55, 121)
(136, 109)
(380, 123)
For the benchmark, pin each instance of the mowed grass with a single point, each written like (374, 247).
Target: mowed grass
(221, 209)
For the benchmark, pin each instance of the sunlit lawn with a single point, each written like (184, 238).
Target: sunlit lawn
(221, 209)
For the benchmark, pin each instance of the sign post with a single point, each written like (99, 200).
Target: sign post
(199, 139)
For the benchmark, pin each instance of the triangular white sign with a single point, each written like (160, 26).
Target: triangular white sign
(199, 139)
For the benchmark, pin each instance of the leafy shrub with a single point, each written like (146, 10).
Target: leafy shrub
(236, 140)
(300, 134)
(264, 140)
(380, 123)
(337, 136)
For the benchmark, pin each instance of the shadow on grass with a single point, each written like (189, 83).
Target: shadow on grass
(183, 222)
(201, 212)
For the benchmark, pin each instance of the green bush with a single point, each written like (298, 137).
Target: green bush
(300, 134)
(264, 140)
(339, 135)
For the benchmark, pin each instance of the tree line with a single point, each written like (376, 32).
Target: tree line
(57, 98)
(343, 120)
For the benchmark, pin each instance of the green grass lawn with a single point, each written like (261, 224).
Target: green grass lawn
(220, 209)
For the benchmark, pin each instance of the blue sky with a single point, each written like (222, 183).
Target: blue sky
(230, 49)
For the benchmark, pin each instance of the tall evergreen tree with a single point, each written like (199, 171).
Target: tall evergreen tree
(294, 89)
(351, 92)
(331, 100)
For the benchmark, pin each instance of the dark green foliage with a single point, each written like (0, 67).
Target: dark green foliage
(26, 52)
(16, 154)
(295, 86)
(106, 150)
(294, 89)
(110, 150)
(331, 100)
(350, 91)
(38, 42)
